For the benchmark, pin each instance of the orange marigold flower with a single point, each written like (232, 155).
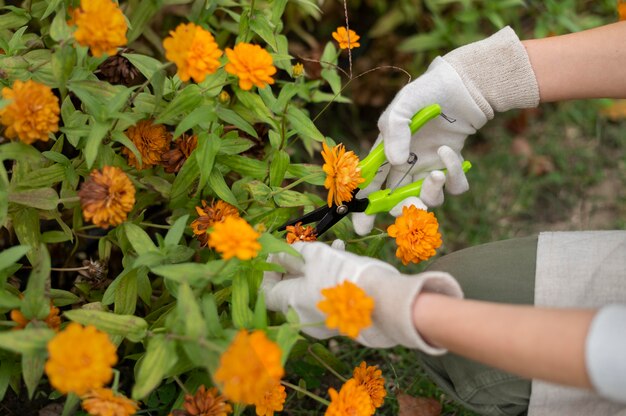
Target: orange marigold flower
(272, 401)
(107, 197)
(417, 235)
(252, 64)
(347, 308)
(209, 215)
(250, 367)
(343, 174)
(621, 9)
(194, 51)
(346, 38)
(152, 141)
(53, 320)
(207, 403)
(371, 378)
(80, 359)
(352, 400)
(299, 233)
(101, 25)
(174, 159)
(32, 112)
(234, 237)
(104, 402)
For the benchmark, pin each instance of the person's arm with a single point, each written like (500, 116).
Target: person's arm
(587, 64)
(547, 344)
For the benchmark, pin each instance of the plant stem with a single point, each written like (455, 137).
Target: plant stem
(326, 366)
(368, 237)
(305, 392)
(149, 224)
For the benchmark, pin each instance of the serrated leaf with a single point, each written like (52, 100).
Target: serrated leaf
(160, 357)
(131, 327)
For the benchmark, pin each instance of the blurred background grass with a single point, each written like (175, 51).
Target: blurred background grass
(560, 167)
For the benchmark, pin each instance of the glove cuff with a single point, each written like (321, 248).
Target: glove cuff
(497, 72)
(394, 304)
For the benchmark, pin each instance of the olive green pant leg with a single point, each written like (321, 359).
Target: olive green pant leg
(504, 272)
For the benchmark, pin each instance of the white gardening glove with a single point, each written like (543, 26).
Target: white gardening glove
(322, 266)
(469, 84)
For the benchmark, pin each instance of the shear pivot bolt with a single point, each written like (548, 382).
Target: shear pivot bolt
(342, 209)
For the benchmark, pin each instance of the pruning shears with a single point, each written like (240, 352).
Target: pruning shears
(379, 201)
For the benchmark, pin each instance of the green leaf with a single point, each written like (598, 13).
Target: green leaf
(97, 131)
(175, 233)
(286, 339)
(259, 191)
(241, 313)
(159, 184)
(273, 244)
(312, 174)
(19, 151)
(278, 167)
(219, 186)
(145, 64)
(289, 198)
(11, 255)
(26, 227)
(120, 137)
(63, 297)
(44, 177)
(303, 125)
(32, 305)
(131, 327)
(160, 357)
(208, 146)
(194, 273)
(255, 103)
(42, 198)
(59, 29)
(186, 100)
(209, 311)
(139, 239)
(200, 115)
(9, 300)
(260, 313)
(55, 236)
(183, 185)
(126, 292)
(32, 370)
(246, 166)
(189, 312)
(229, 116)
(232, 144)
(14, 19)
(26, 341)
(139, 16)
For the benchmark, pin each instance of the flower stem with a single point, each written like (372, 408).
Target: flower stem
(149, 224)
(305, 392)
(368, 237)
(326, 366)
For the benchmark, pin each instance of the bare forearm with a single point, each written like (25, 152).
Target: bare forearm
(587, 64)
(531, 342)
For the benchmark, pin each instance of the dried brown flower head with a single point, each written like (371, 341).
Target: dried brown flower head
(174, 159)
(206, 402)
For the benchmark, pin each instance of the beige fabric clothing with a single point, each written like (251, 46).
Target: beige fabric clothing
(578, 269)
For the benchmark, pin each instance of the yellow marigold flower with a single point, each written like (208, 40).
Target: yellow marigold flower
(234, 237)
(101, 25)
(343, 174)
(194, 51)
(352, 400)
(107, 197)
(207, 403)
(104, 402)
(53, 320)
(80, 359)
(417, 235)
(249, 368)
(346, 39)
(252, 64)
(299, 233)
(347, 308)
(32, 112)
(209, 215)
(224, 97)
(152, 141)
(272, 401)
(371, 378)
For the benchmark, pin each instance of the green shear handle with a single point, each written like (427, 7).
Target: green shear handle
(385, 199)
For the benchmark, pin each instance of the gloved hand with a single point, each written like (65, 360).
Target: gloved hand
(322, 266)
(470, 84)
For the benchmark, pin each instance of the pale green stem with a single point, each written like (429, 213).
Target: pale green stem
(305, 392)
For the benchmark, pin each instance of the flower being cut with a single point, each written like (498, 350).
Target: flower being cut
(234, 237)
(206, 402)
(53, 320)
(417, 235)
(249, 368)
(32, 112)
(299, 233)
(346, 38)
(80, 359)
(208, 215)
(252, 64)
(371, 378)
(151, 140)
(272, 401)
(101, 26)
(174, 159)
(343, 174)
(104, 402)
(352, 400)
(107, 197)
(348, 308)
(194, 51)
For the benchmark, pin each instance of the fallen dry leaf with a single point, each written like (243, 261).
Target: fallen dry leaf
(417, 406)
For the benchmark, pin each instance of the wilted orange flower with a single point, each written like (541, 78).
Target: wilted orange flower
(346, 39)
(352, 400)
(234, 237)
(174, 159)
(299, 233)
(252, 64)
(101, 25)
(343, 174)
(347, 308)
(104, 402)
(371, 378)
(107, 197)
(417, 235)
(80, 359)
(53, 320)
(250, 367)
(207, 403)
(194, 51)
(621, 9)
(152, 141)
(272, 401)
(32, 112)
(209, 215)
